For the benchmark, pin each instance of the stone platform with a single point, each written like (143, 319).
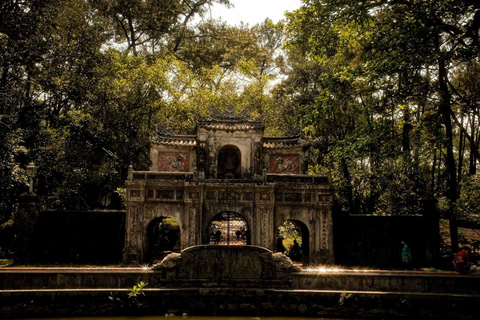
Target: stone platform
(237, 280)
(327, 293)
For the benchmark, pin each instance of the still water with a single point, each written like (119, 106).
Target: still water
(168, 317)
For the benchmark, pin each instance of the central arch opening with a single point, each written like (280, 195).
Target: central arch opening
(228, 228)
(229, 160)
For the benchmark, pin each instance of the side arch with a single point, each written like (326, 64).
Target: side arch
(163, 236)
(293, 238)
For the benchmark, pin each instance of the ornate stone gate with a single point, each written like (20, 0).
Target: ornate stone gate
(228, 166)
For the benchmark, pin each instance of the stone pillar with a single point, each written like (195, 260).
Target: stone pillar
(25, 221)
(324, 252)
(133, 251)
(194, 234)
(263, 234)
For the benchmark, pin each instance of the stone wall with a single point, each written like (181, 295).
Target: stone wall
(78, 237)
(375, 240)
(308, 298)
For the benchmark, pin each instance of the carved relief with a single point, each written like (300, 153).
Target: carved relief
(263, 226)
(210, 195)
(324, 230)
(135, 227)
(174, 161)
(284, 163)
(228, 195)
(179, 194)
(258, 158)
(308, 197)
(150, 194)
(248, 196)
(212, 158)
(194, 195)
(165, 194)
(293, 197)
(192, 226)
(278, 196)
(134, 193)
(201, 157)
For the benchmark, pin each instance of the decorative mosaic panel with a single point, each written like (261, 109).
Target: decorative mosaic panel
(284, 163)
(174, 161)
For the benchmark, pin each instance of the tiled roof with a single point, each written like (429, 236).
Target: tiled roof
(283, 142)
(188, 141)
(229, 120)
(231, 125)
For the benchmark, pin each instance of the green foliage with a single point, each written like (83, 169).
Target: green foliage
(290, 231)
(137, 290)
(387, 92)
(468, 204)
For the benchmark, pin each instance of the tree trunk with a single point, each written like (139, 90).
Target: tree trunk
(445, 109)
(348, 184)
(461, 152)
(473, 165)
(433, 172)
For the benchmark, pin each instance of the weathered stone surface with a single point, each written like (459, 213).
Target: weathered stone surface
(226, 263)
(229, 166)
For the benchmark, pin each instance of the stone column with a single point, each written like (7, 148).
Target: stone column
(25, 221)
(193, 215)
(263, 234)
(324, 254)
(133, 251)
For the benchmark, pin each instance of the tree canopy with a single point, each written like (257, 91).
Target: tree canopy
(387, 93)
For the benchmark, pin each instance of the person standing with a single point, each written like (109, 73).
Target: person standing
(218, 236)
(406, 255)
(280, 246)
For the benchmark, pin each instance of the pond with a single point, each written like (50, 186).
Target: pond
(168, 317)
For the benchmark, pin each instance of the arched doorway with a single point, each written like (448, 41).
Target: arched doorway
(163, 238)
(228, 228)
(293, 240)
(229, 163)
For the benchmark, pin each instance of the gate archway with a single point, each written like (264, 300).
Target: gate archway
(163, 238)
(228, 228)
(293, 238)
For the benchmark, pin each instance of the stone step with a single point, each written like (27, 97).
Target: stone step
(239, 301)
(388, 282)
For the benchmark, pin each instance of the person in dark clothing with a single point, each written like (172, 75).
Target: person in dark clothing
(295, 253)
(218, 235)
(280, 246)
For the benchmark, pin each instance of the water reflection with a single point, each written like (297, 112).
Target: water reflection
(178, 317)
